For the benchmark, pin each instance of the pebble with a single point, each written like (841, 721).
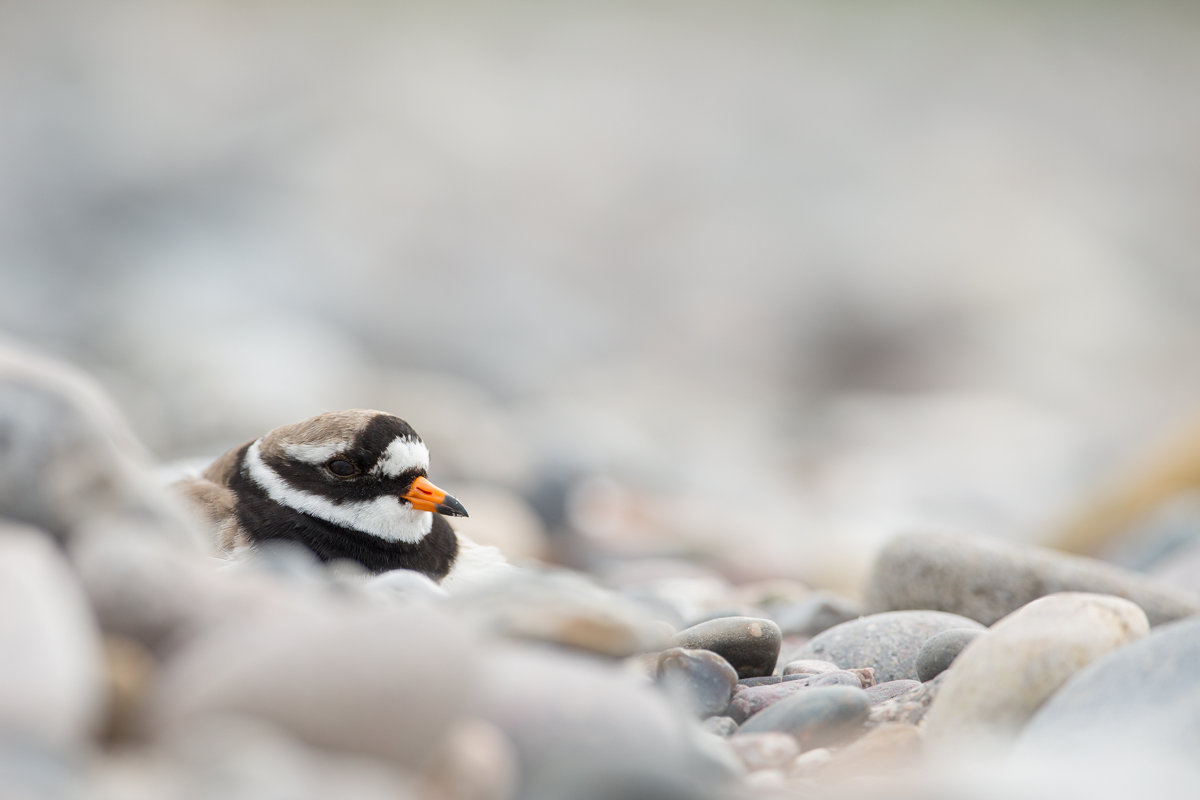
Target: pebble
(580, 726)
(986, 579)
(53, 690)
(817, 612)
(888, 643)
(816, 717)
(993, 688)
(882, 692)
(378, 680)
(751, 645)
(809, 763)
(881, 751)
(765, 680)
(909, 707)
(721, 726)
(754, 699)
(771, 750)
(1146, 693)
(810, 666)
(700, 679)
(941, 649)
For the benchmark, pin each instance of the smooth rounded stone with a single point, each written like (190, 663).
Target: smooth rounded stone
(816, 613)
(765, 680)
(721, 726)
(69, 462)
(888, 643)
(997, 683)
(1146, 693)
(53, 690)
(810, 666)
(771, 750)
(909, 707)
(882, 692)
(941, 649)
(581, 726)
(754, 699)
(374, 679)
(985, 579)
(750, 645)
(810, 762)
(881, 751)
(700, 679)
(564, 607)
(476, 762)
(816, 717)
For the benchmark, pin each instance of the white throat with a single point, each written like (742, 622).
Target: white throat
(387, 517)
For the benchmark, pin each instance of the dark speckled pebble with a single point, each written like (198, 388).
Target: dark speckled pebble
(765, 680)
(751, 645)
(941, 649)
(817, 717)
(701, 679)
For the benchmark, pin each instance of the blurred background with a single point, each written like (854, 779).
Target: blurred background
(762, 283)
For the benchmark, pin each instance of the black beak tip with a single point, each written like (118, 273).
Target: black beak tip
(450, 507)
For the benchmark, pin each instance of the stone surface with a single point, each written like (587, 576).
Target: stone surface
(721, 726)
(888, 643)
(817, 612)
(880, 752)
(908, 707)
(816, 717)
(882, 692)
(752, 700)
(52, 689)
(1147, 692)
(750, 645)
(985, 579)
(700, 679)
(995, 685)
(809, 666)
(771, 750)
(941, 649)
(583, 729)
(378, 680)
(765, 680)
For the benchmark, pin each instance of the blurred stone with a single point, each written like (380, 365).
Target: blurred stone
(701, 679)
(772, 593)
(1146, 692)
(816, 717)
(940, 650)
(993, 688)
(985, 579)
(52, 667)
(909, 707)
(564, 608)
(130, 671)
(721, 726)
(881, 751)
(882, 692)
(502, 519)
(382, 681)
(754, 699)
(67, 460)
(888, 643)
(689, 599)
(476, 762)
(584, 729)
(865, 675)
(750, 645)
(770, 750)
(809, 666)
(817, 612)
(406, 586)
(810, 762)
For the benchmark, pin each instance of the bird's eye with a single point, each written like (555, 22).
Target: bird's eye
(341, 468)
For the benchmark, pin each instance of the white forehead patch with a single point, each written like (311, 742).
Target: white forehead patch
(387, 517)
(402, 455)
(314, 453)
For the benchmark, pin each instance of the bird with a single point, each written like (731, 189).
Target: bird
(349, 484)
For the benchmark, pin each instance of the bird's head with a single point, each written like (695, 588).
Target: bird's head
(364, 470)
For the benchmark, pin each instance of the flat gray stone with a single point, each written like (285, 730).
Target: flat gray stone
(985, 579)
(816, 717)
(700, 679)
(940, 650)
(754, 699)
(996, 684)
(888, 643)
(751, 645)
(1147, 692)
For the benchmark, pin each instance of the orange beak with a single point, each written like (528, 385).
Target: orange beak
(424, 496)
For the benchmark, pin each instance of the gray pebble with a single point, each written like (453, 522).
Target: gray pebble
(986, 579)
(941, 649)
(720, 725)
(765, 680)
(888, 643)
(701, 679)
(882, 692)
(753, 700)
(816, 717)
(750, 645)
